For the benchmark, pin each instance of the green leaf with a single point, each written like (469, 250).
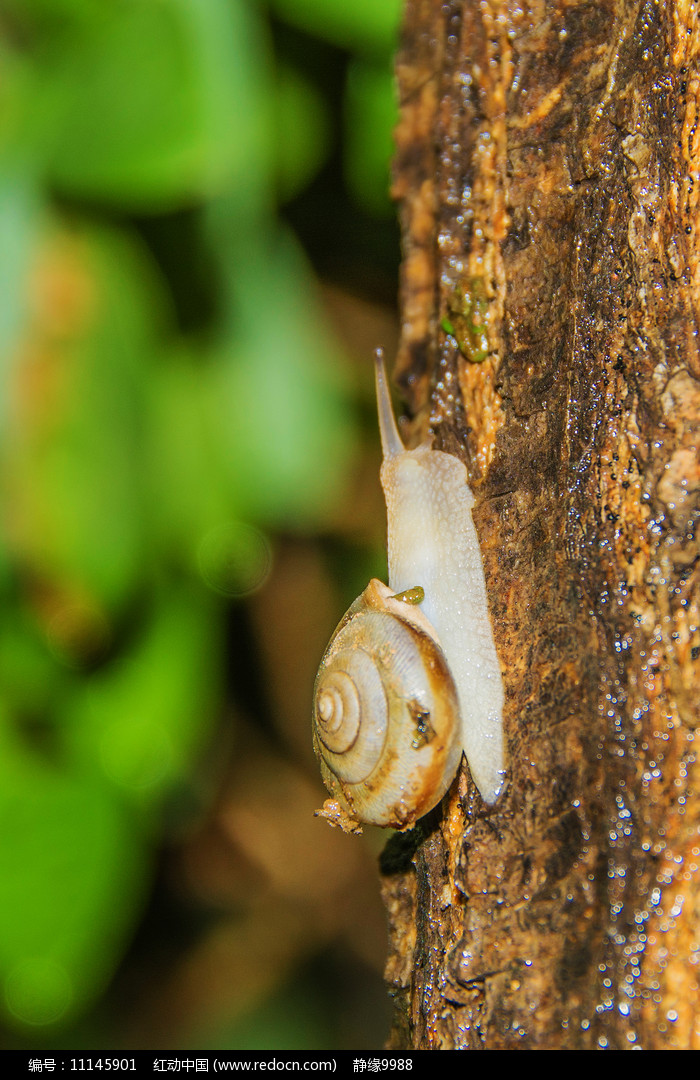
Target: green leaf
(371, 114)
(163, 103)
(279, 396)
(302, 131)
(20, 220)
(367, 25)
(74, 467)
(72, 883)
(142, 719)
(31, 679)
(187, 478)
(41, 15)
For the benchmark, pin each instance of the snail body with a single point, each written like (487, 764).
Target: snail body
(451, 698)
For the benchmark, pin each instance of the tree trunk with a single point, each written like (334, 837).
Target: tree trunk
(548, 170)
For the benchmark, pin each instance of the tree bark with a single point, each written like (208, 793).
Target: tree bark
(548, 170)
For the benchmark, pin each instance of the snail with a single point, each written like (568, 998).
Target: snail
(411, 677)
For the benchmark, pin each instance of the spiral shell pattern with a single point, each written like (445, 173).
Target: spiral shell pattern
(386, 718)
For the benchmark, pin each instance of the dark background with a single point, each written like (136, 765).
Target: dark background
(198, 256)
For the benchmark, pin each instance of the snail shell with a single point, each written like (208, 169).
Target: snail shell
(387, 727)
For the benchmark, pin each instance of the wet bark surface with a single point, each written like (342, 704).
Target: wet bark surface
(548, 170)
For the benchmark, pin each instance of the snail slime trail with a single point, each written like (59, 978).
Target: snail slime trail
(411, 677)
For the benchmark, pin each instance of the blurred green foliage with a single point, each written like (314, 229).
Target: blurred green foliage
(145, 463)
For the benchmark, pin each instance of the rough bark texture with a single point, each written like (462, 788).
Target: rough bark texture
(548, 173)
